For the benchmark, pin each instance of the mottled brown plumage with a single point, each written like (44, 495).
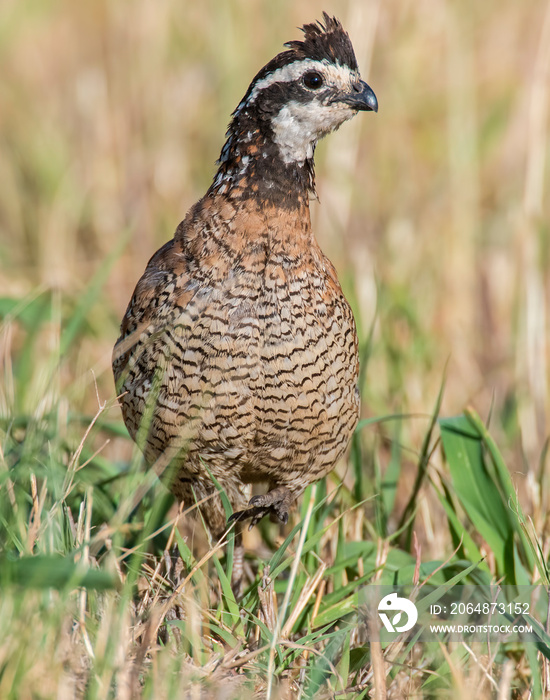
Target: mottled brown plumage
(238, 352)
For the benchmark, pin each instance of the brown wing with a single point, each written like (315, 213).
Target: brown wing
(185, 361)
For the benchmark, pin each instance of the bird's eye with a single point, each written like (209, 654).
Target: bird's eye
(313, 80)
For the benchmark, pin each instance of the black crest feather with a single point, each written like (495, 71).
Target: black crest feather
(326, 40)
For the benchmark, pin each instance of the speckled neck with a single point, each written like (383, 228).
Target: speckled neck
(251, 165)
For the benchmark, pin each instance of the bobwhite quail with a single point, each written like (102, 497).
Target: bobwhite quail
(237, 357)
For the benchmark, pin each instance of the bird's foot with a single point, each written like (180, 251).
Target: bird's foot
(275, 502)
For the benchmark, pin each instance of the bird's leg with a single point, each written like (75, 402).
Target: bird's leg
(237, 573)
(276, 502)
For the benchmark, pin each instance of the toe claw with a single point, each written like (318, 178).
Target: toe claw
(256, 514)
(238, 515)
(274, 503)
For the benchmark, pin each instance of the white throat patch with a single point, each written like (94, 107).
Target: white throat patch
(298, 126)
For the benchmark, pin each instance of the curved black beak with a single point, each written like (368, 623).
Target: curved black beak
(361, 98)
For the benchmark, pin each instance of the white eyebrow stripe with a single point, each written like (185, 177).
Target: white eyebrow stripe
(335, 72)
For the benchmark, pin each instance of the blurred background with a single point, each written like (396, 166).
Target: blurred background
(435, 211)
(436, 214)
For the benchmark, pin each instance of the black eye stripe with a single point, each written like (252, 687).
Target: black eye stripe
(312, 80)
